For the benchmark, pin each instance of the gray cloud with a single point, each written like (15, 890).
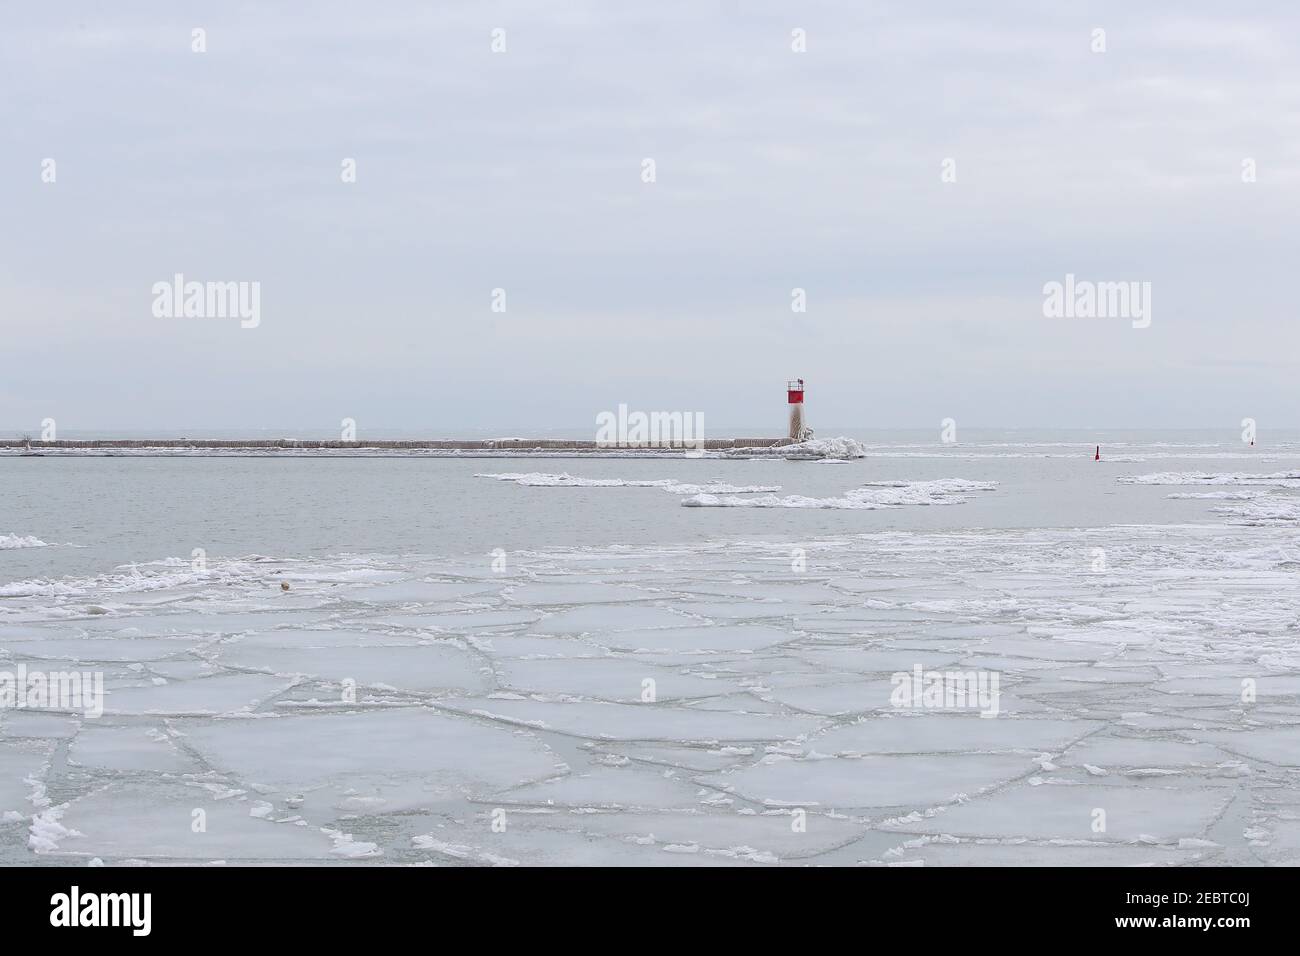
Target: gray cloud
(775, 170)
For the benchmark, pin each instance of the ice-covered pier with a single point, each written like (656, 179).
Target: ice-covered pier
(235, 446)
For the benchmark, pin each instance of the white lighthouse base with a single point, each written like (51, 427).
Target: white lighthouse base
(798, 430)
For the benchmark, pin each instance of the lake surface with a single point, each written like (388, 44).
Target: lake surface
(500, 670)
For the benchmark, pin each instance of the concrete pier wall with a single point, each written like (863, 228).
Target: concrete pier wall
(499, 444)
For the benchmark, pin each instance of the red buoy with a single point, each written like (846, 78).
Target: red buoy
(1097, 457)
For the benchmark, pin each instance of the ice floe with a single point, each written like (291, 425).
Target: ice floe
(1281, 479)
(1257, 499)
(10, 542)
(827, 448)
(540, 480)
(698, 704)
(873, 496)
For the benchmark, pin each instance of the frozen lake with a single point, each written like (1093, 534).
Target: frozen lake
(523, 670)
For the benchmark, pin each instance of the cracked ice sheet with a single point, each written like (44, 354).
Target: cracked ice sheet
(699, 640)
(542, 841)
(458, 622)
(1135, 753)
(322, 638)
(128, 749)
(384, 761)
(1067, 812)
(1151, 654)
(610, 787)
(1280, 745)
(746, 611)
(864, 695)
(426, 592)
(684, 758)
(950, 733)
(843, 783)
(875, 660)
(419, 669)
(618, 617)
(713, 837)
(227, 694)
(120, 650)
(565, 594)
(1266, 688)
(203, 625)
(19, 762)
(506, 646)
(986, 853)
(157, 821)
(596, 720)
(768, 834)
(26, 723)
(613, 679)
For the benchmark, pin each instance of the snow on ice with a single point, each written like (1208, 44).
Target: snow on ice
(694, 705)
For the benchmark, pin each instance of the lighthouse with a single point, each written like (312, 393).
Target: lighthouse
(794, 395)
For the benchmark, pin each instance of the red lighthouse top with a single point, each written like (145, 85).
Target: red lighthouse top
(794, 391)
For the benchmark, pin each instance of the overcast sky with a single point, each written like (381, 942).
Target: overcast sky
(522, 170)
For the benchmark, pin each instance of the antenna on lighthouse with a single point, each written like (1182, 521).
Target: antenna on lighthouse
(794, 395)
